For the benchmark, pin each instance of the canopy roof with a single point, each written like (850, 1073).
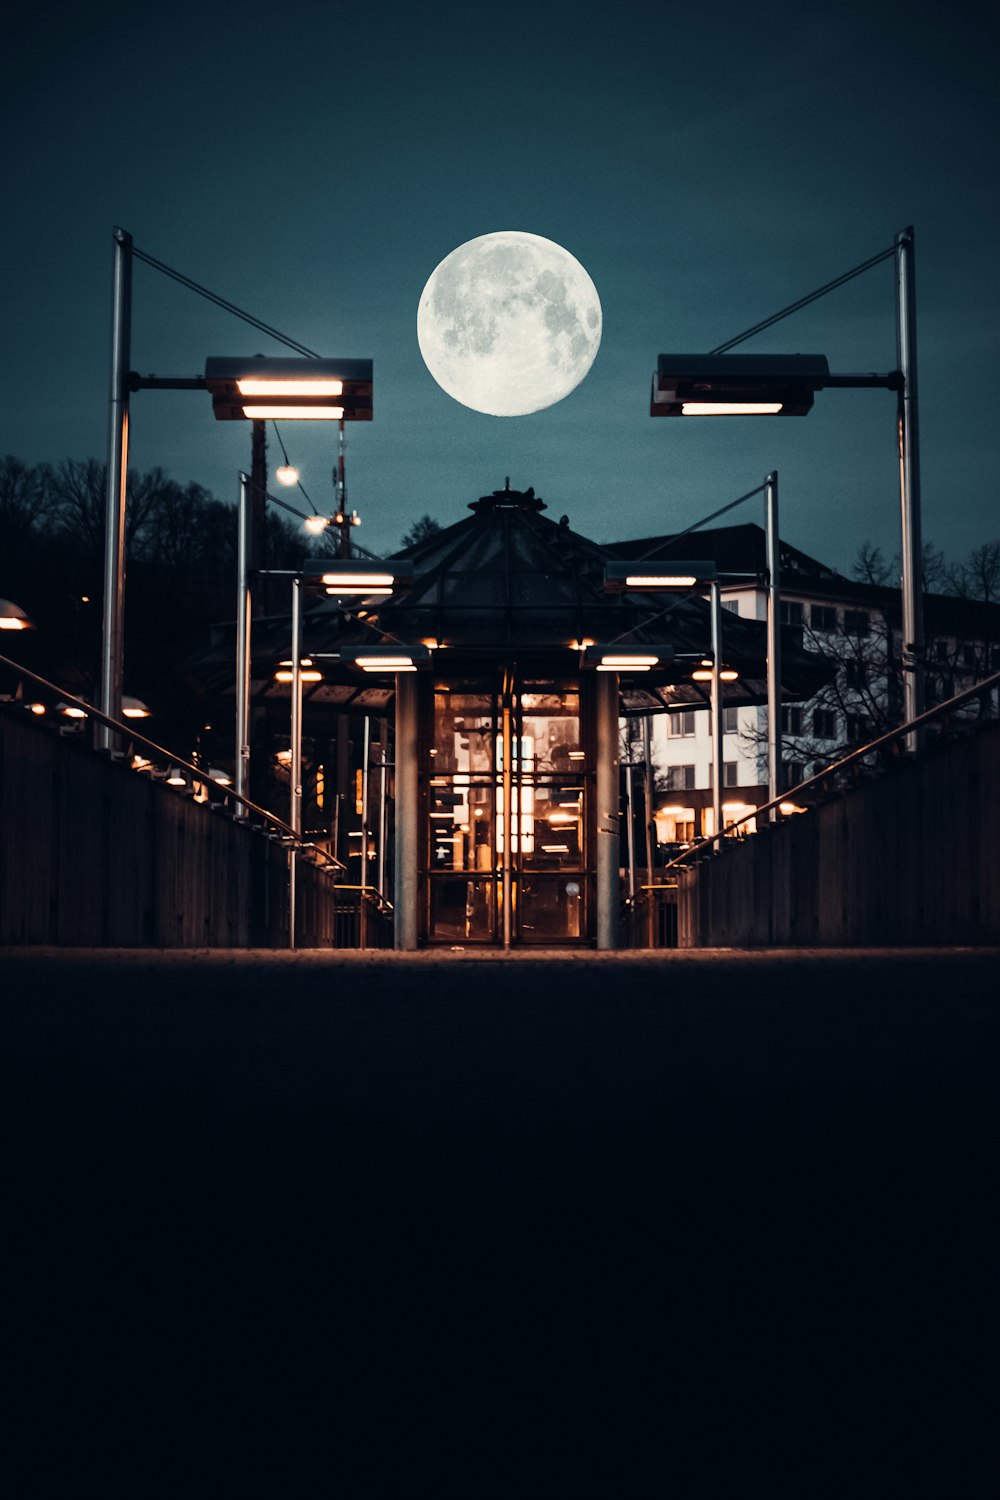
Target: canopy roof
(506, 585)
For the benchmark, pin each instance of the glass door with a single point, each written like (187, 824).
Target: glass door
(508, 798)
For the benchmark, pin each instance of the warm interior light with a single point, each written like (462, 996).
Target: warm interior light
(285, 757)
(730, 408)
(10, 622)
(555, 848)
(286, 675)
(72, 712)
(252, 386)
(176, 778)
(36, 708)
(349, 581)
(701, 674)
(728, 674)
(659, 581)
(293, 413)
(787, 808)
(315, 524)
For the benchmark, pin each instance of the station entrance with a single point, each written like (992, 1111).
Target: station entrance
(507, 782)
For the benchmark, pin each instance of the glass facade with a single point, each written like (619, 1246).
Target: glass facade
(480, 851)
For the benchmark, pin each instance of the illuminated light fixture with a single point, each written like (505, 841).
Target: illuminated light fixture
(577, 754)
(561, 818)
(736, 385)
(315, 524)
(286, 674)
(36, 708)
(134, 708)
(255, 387)
(356, 576)
(555, 848)
(790, 807)
(287, 474)
(71, 711)
(643, 576)
(622, 659)
(731, 408)
(263, 389)
(141, 763)
(704, 674)
(581, 645)
(176, 777)
(284, 757)
(12, 616)
(386, 658)
(293, 413)
(221, 778)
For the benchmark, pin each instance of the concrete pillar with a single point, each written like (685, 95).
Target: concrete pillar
(608, 814)
(407, 846)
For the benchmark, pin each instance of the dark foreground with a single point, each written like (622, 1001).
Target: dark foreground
(719, 1186)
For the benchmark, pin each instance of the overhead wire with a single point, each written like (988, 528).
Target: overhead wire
(804, 301)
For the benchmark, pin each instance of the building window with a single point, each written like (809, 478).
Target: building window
(968, 655)
(729, 773)
(731, 720)
(856, 674)
(859, 727)
(824, 724)
(940, 650)
(823, 617)
(680, 726)
(856, 622)
(792, 772)
(733, 606)
(791, 721)
(790, 612)
(680, 778)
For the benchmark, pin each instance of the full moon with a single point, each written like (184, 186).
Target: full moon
(509, 323)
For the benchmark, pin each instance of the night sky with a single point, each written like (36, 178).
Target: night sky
(707, 165)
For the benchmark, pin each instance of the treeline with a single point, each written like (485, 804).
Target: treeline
(180, 549)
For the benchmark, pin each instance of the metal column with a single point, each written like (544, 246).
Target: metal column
(243, 638)
(773, 564)
(715, 598)
(608, 812)
(508, 820)
(112, 639)
(407, 825)
(295, 812)
(909, 485)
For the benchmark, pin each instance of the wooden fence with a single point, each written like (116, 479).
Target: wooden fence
(910, 857)
(94, 854)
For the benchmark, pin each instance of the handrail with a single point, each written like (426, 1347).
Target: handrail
(937, 711)
(288, 834)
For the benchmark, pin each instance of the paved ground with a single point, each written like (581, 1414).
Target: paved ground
(572, 1162)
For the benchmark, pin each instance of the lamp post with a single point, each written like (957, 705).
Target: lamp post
(722, 384)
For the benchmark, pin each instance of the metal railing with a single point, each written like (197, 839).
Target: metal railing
(940, 710)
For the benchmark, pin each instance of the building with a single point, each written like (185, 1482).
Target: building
(854, 625)
(486, 802)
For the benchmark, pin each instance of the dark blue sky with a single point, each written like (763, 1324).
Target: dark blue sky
(313, 163)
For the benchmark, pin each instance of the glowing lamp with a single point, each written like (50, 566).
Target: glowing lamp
(134, 708)
(12, 616)
(357, 576)
(260, 389)
(287, 474)
(626, 659)
(647, 577)
(736, 385)
(397, 658)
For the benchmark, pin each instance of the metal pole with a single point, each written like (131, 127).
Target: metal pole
(630, 814)
(295, 812)
(508, 822)
(715, 599)
(112, 640)
(909, 486)
(383, 735)
(243, 635)
(365, 757)
(263, 590)
(773, 564)
(647, 763)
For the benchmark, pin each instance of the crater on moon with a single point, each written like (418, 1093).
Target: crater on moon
(509, 323)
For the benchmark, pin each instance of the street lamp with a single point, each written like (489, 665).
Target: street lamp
(12, 616)
(721, 384)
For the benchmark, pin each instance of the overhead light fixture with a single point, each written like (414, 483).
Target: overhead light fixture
(12, 616)
(627, 659)
(386, 658)
(736, 385)
(71, 710)
(645, 577)
(355, 576)
(705, 674)
(315, 524)
(262, 389)
(134, 708)
(287, 474)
